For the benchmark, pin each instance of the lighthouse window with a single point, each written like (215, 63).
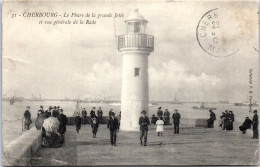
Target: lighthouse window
(137, 72)
(134, 27)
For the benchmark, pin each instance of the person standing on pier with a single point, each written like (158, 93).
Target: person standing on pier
(154, 119)
(226, 119)
(113, 126)
(48, 112)
(93, 112)
(41, 111)
(84, 115)
(78, 122)
(63, 122)
(55, 112)
(176, 121)
(159, 128)
(100, 115)
(231, 120)
(94, 126)
(159, 112)
(166, 116)
(255, 125)
(211, 119)
(27, 118)
(222, 120)
(143, 122)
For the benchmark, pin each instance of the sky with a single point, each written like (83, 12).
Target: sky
(80, 61)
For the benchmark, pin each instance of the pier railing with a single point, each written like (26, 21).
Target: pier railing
(135, 41)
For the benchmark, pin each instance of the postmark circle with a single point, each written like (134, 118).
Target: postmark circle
(210, 36)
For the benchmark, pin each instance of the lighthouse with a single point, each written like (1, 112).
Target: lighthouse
(135, 47)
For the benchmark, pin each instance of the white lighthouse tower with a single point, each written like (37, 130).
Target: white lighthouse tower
(135, 47)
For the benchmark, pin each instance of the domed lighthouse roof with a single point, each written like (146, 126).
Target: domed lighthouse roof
(136, 17)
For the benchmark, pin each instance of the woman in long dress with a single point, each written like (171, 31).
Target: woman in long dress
(159, 128)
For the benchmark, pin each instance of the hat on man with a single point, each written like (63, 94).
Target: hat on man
(41, 106)
(143, 112)
(255, 111)
(159, 107)
(61, 110)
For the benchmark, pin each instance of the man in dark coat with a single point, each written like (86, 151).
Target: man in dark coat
(255, 125)
(230, 121)
(27, 118)
(166, 116)
(55, 112)
(94, 126)
(246, 125)
(84, 115)
(113, 126)
(93, 112)
(154, 119)
(63, 122)
(159, 112)
(78, 123)
(110, 112)
(226, 119)
(176, 121)
(48, 112)
(100, 115)
(143, 122)
(40, 111)
(211, 119)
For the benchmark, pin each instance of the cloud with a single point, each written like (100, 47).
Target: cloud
(175, 80)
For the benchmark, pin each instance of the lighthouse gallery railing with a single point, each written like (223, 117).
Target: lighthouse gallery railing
(135, 40)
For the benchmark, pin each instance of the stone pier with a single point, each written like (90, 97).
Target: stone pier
(193, 146)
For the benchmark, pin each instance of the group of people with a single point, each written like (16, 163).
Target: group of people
(93, 114)
(227, 119)
(57, 137)
(51, 137)
(163, 118)
(113, 123)
(95, 120)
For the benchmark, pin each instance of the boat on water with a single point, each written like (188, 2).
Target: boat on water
(176, 101)
(246, 104)
(36, 98)
(152, 104)
(202, 107)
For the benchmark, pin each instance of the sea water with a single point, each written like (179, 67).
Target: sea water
(12, 114)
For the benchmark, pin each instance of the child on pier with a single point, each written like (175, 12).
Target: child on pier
(159, 128)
